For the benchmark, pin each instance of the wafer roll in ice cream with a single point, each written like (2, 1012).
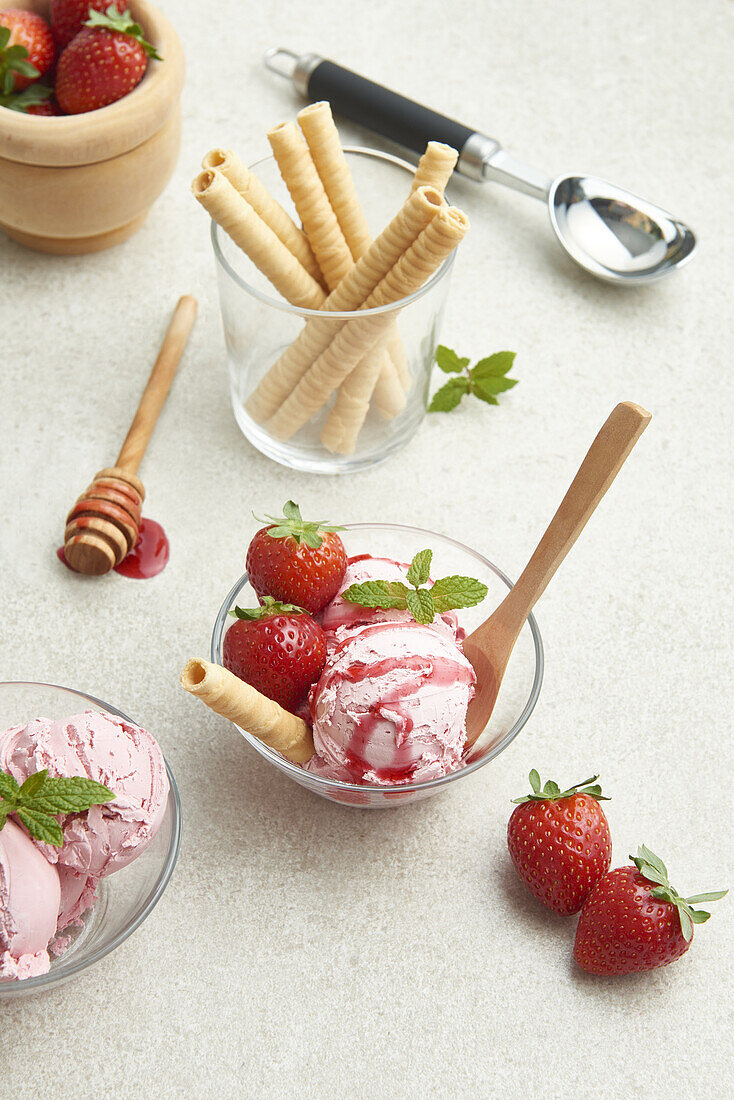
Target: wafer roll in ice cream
(435, 167)
(310, 200)
(226, 694)
(248, 230)
(254, 191)
(414, 268)
(381, 256)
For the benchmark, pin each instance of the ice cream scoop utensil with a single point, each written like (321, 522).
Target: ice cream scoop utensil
(104, 524)
(490, 646)
(610, 232)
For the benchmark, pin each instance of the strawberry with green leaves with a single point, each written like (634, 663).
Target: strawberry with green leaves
(296, 561)
(560, 842)
(484, 380)
(276, 648)
(634, 920)
(103, 63)
(27, 49)
(69, 16)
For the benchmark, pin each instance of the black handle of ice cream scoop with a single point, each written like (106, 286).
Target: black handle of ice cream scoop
(394, 116)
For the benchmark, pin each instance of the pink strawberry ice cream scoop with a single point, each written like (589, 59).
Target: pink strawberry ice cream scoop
(125, 758)
(29, 904)
(391, 705)
(340, 614)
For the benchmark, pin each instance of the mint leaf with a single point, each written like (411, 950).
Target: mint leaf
(449, 396)
(494, 365)
(493, 385)
(420, 568)
(420, 605)
(449, 361)
(374, 594)
(455, 591)
(41, 826)
(69, 795)
(8, 786)
(33, 785)
(3, 816)
(482, 395)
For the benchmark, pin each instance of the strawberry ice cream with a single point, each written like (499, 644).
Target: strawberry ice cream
(340, 614)
(29, 905)
(391, 704)
(123, 757)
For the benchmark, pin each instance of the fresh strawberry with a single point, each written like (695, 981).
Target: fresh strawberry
(296, 560)
(560, 842)
(634, 920)
(103, 63)
(68, 16)
(27, 49)
(277, 648)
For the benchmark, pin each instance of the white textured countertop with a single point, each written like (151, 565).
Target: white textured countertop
(307, 950)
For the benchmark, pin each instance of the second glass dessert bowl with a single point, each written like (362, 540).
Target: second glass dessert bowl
(520, 687)
(124, 899)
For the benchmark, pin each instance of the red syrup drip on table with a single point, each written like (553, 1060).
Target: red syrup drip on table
(150, 554)
(147, 558)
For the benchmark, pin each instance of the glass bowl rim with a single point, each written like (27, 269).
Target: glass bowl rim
(429, 784)
(43, 981)
(343, 315)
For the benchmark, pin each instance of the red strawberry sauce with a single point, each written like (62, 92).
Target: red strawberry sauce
(147, 558)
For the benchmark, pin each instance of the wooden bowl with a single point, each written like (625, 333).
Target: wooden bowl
(81, 183)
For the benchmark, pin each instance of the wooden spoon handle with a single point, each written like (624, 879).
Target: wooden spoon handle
(159, 383)
(604, 460)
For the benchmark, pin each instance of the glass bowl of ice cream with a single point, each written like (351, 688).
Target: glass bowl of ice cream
(388, 712)
(63, 908)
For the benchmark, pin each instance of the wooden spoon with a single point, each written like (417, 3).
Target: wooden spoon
(489, 647)
(104, 524)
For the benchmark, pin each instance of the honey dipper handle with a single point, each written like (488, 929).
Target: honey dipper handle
(159, 383)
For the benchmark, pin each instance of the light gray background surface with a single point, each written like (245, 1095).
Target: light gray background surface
(307, 950)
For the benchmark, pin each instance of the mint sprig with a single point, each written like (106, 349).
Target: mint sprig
(653, 869)
(423, 604)
(13, 59)
(269, 607)
(292, 525)
(551, 792)
(42, 797)
(122, 23)
(484, 380)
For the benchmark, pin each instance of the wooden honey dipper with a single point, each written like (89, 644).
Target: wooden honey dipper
(104, 524)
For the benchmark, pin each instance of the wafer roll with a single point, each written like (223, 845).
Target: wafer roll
(310, 200)
(382, 255)
(254, 191)
(357, 336)
(435, 167)
(247, 229)
(322, 138)
(226, 694)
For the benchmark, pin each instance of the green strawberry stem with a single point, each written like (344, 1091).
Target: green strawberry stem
(654, 870)
(269, 608)
(292, 525)
(121, 23)
(551, 792)
(13, 60)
